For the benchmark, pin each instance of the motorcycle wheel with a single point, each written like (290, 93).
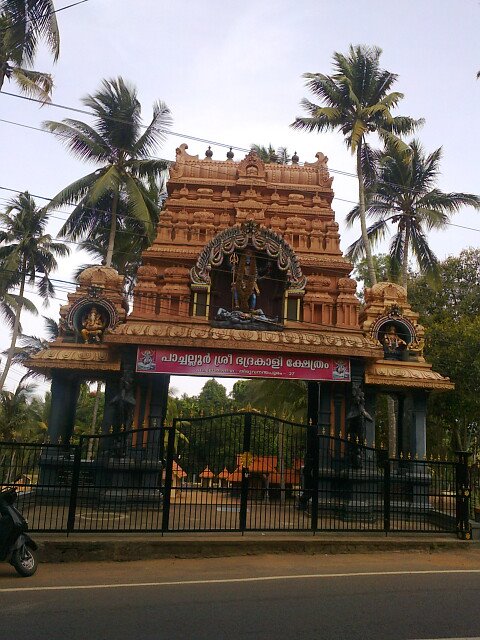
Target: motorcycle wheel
(24, 561)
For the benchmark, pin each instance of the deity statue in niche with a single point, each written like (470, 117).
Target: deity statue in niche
(245, 281)
(247, 269)
(393, 344)
(93, 326)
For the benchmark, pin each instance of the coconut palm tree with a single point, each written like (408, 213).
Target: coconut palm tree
(116, 143)
(357, 101)
(27, 346)
(271, 156)
(405, 196)
(286, 398)
(131, 237)
(15, 412)
(33, 20)
(23, 24)
(27, 254)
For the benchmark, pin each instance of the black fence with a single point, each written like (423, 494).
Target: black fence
(233, 472)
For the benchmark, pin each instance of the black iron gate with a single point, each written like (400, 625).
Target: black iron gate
(232, 472)
(236, 472)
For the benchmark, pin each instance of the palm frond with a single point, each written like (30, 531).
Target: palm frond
(82, 140)
(33, 83)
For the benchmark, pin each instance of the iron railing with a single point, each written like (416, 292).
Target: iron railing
(232, 472)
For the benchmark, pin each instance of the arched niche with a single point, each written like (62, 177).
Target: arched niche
(83, 307)
(392, 329)
(279, 273)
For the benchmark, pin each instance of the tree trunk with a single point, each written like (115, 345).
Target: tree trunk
(363, 218)
(392, 427)
(96, 404)
(94, 441)
(15, 331)
(113, 231)
(406, 243)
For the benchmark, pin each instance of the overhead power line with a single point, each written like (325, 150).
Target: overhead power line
(119, 120)
(49, 13)
(170, 132)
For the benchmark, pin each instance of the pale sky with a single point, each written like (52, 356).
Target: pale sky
(231, 72)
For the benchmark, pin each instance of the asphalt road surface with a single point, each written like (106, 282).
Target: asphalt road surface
(387, 596)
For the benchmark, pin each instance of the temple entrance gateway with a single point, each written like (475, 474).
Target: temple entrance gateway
(245, 278)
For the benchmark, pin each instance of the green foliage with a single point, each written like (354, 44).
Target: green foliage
(240, 394)
(403, 194)
(121, 186)
(271, 156)
(131, 238)
(23, 23)
(27, 256)
(385, 270)
(357, 100)
(85, 410)
(21, 417)
(284, 398)
(451, 316)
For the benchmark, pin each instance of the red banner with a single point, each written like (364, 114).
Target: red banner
(240, 364)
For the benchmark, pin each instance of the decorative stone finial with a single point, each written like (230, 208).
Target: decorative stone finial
(230, 154)
(295, 158)
(208, 153)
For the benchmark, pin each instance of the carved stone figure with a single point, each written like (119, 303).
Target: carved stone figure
(93, 326)
(244, 285)
(356, 418)
(125, 400)
(393, 344)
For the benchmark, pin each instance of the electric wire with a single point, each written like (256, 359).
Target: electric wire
(49, 13)
(120, 121)
(342, 172)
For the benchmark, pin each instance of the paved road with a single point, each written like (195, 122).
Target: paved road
(387, 596)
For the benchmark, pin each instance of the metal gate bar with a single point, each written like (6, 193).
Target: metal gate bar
(232, 472)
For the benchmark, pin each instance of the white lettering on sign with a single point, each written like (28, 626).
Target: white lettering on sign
(313, 365)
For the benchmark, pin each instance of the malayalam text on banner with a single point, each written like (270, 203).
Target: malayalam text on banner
(183, 361)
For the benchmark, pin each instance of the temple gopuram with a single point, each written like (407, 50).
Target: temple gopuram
(245, 278)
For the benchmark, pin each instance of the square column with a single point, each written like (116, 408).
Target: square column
(418, 425)
(64, 397)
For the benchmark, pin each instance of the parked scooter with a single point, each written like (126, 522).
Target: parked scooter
(16, 546)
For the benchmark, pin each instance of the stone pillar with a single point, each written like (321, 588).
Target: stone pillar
(402, 432)
(158, 393)
(324, 409)
(370, 407)
(110, 410)
(418, 425)
(64, 396)
(313, 393)
(309, 473)
(159, 399)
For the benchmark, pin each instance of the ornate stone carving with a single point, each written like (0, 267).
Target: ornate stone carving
(386, 307)
(347, 284)
(251, 167)
(405, 374)
(239, 237)
(76, 356)
(342, 343)
(100, 288)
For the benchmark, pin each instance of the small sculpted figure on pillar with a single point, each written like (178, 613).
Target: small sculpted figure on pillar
(356, 418)
(125, 400)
